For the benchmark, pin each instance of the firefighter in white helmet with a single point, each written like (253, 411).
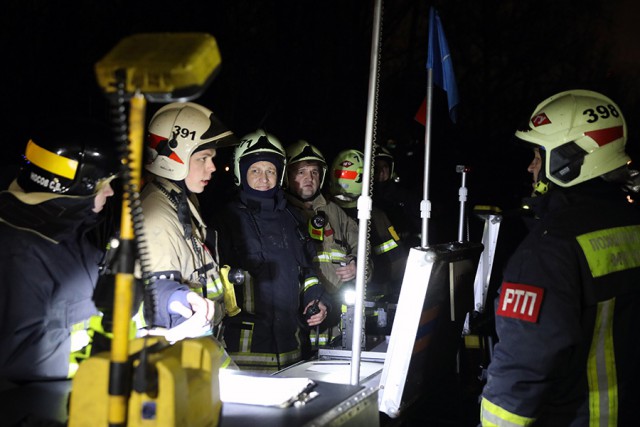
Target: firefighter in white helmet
(181, 144)
(388, 253)
(260, 233)
(567, 312)
(334, 233)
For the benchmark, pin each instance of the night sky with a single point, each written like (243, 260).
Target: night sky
(301, 70)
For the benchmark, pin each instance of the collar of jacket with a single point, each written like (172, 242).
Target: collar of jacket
(559, 197)
(187, 204)
(318, 202)
(54, 217)
(259, 204)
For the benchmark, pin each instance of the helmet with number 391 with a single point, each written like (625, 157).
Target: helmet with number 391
(581, 135)
(176, 131)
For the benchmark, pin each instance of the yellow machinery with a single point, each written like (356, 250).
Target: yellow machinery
(187, 392)
(147, 382)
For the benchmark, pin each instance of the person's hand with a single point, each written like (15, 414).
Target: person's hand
(197, 304)
(319, 317)
(348, 272)
(199, 316)
(201, 304)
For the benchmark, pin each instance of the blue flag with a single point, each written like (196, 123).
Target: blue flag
(439, 60)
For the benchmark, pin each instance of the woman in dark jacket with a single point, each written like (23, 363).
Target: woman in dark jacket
(261, 234)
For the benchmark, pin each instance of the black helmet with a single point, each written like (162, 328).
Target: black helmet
(69, 158)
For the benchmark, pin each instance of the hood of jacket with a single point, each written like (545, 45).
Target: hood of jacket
(51, 216)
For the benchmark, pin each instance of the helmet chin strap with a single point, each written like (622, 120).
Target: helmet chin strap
(540, 188)
(542, 185)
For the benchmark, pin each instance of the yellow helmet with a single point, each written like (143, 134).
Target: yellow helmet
(346, 177)
(581, 134)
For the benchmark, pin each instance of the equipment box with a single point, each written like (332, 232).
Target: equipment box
(436, 295)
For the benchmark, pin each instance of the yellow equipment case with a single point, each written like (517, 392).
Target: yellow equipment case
(187, 391)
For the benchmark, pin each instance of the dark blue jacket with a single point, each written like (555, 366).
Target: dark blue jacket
(567, 315)
(48, 273)
(263, 237)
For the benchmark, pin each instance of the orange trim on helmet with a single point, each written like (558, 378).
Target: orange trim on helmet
(161, 145)
(345, 174)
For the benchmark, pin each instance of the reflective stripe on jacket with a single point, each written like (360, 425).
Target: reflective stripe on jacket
(567, 315)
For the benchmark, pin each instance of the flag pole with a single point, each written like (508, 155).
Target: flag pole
(439, 60)
(364, 201)
(425, 204)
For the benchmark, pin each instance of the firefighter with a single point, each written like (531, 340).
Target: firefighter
(567, 312)
(50, 265)
(262, 234)
(400, 205)
(334, 233)
(185, 276)
(388, 252)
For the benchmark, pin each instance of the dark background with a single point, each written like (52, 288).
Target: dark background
(301, 70)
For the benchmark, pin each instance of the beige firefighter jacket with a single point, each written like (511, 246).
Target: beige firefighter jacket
(171, 255)
(339, 238)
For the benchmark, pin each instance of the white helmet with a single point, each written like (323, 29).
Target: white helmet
(258, 144)
(176, 131)
(582, 135)
(303, 151)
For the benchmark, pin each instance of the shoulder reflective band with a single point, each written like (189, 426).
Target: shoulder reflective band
(49, 161)
(611, 250)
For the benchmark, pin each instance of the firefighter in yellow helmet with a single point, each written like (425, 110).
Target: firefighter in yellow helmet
(388, 253)
(567, 311)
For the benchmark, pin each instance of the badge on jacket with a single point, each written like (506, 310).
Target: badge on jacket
(520, 301)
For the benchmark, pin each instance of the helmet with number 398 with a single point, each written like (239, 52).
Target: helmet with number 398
(176, 131)
(581, 135)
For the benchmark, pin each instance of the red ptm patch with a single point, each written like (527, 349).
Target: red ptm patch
(520, 301)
